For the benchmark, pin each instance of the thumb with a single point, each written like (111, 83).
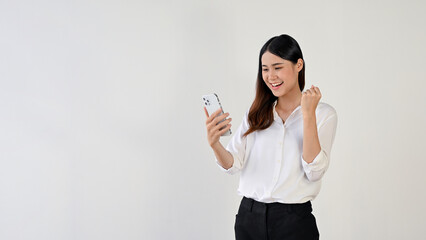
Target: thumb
(205, 111)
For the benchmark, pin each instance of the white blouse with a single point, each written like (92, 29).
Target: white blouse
(270, 161)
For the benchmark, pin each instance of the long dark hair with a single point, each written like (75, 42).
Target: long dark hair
(261, 113)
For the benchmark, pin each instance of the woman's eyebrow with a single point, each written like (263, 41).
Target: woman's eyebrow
(273, 64)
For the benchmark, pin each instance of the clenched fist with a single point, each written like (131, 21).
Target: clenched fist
(310, 99)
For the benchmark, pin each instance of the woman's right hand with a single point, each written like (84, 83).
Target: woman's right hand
(213, 128)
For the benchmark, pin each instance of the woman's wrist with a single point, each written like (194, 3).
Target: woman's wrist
(309, 116)
(216, 146)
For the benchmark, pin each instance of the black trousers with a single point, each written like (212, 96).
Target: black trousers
(275, 221)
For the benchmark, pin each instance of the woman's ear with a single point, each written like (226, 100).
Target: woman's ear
(299, 64)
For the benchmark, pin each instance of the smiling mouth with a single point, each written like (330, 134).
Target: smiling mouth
(278, 84)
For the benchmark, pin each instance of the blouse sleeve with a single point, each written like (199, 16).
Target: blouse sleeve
(326, 133)
(237, 147)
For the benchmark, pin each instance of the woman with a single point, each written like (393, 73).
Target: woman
(282, 148)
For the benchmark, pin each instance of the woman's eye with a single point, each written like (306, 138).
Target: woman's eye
(278, 68)
(265, 70)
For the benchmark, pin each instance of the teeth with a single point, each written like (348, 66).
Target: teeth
(277, 84)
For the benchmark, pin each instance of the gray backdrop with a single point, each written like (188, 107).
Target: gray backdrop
(102, 131)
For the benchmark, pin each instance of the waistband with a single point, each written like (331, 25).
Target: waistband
(255, 206)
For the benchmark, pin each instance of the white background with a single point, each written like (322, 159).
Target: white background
(102, 131)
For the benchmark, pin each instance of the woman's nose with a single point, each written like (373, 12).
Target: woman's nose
(272, 74)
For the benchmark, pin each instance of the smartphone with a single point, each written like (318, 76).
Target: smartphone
(212, 103)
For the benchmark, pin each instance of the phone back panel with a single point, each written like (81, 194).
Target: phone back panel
(212, 104)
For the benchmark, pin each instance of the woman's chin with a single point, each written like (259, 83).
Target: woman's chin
(278, 93)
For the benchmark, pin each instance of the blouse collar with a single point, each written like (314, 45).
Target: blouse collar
(294, 115)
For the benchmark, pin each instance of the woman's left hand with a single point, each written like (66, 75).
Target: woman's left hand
(310, 99)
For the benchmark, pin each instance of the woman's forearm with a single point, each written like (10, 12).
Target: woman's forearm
(223, 156)
(311, 145)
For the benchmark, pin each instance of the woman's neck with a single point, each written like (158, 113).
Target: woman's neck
(290, 101)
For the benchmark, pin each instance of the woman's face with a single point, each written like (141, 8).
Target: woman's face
(280, 75)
